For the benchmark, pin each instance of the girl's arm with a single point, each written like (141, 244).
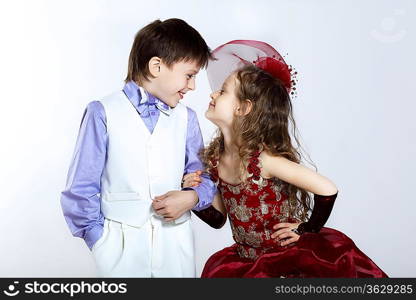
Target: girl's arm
(296, 174)
(194, 179)
(214, 215)
(325, 193)
(218, 204)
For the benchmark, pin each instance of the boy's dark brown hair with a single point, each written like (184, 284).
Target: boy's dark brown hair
(172, 40)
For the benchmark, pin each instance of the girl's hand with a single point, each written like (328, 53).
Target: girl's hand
(191, 179)
(285, 234)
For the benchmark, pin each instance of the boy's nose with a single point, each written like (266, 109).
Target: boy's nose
(191, 84)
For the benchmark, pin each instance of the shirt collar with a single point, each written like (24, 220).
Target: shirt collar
(137, 96)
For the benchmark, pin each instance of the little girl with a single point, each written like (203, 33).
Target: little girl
(264, 189)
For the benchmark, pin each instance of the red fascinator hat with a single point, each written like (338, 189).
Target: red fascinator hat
(236, 54)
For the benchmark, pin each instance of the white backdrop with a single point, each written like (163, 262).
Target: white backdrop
(355, 111)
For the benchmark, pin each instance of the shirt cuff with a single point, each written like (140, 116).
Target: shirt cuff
(203, 199)
(93, 235)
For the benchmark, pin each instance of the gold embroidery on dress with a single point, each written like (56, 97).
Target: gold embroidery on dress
(275, 211)
(284, 211)
(284, 208)
(234, 189)
(264, 207)
(251, 237)
(242, 213)
(250, 190)
(267, 234)
(230, 202)
(258, 214)
(238, 234)
(250, 252)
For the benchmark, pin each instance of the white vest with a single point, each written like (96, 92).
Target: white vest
(140, 165)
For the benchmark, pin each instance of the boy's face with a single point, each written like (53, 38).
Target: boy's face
(173, 83)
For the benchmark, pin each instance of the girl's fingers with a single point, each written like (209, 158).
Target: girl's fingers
(190, 182)
(190, 175)
(281, 225)
(195, 176)
(280, 231)
(187, 176)
(190, 179)
(195, 180)
(289, 241)
(285, 235)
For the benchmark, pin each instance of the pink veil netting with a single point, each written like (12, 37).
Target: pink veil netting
(235, 54)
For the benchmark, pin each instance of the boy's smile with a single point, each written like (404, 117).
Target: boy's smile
(181, 94)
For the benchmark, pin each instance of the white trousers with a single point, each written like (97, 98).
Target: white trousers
(156, 249)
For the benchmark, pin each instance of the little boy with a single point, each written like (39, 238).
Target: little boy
(123, 194)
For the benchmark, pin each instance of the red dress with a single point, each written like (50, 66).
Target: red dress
(253, 209)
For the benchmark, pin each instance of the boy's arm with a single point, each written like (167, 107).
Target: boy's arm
(80, 200)
(194, 143)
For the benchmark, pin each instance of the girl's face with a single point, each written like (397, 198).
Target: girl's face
(224, 105)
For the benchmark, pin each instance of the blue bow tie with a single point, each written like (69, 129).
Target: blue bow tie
(153, 101)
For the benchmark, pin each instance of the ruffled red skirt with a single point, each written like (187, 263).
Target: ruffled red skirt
(328, 254)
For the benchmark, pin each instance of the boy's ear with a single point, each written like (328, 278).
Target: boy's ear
(154, 66)
(245, 108)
